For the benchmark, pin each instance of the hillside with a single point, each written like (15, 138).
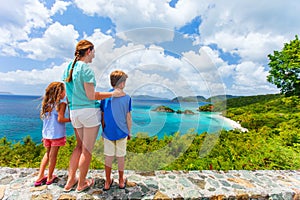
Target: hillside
(221, 98)
(189, 99)
(203, 99)
(235, 102)
(147, 97)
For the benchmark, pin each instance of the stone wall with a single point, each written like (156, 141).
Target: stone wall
(17, 183)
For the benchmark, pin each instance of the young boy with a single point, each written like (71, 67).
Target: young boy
(116, 125)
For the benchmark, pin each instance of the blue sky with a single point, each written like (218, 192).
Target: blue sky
(168, 48)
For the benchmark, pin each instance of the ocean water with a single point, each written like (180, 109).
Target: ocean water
(19, 117)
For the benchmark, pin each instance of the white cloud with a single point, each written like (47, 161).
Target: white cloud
(36, 15)
(58, 41)
(34, 77)
(251, 47)
(248, 73)
(131, 14)
(151, 67)
(252, 29)
(147, 35)
(17, 20)
(59, 7)
(251, 78)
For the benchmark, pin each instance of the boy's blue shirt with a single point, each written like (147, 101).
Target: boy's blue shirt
(115, 116)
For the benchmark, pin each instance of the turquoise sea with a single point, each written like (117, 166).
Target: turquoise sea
(19, 117)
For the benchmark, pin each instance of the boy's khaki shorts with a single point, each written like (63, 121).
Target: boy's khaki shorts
(115, 148)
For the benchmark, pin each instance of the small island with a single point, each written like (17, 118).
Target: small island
(170, 110)
(206, 108)
(163, 109)
(186, 112)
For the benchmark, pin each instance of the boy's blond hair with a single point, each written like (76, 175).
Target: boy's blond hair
(117, 77)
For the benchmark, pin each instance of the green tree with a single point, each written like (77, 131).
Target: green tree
(285, 68)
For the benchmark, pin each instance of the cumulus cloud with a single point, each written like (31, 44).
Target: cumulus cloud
(150, 66)
(57, 42)
(59, 7)
(33, 77)
(148, 13)
(249, 77)
(18, 23)
(251, 29)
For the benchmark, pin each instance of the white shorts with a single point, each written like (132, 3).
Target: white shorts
(85, 117)
(115, 148)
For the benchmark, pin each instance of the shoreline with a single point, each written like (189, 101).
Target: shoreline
(232, 123)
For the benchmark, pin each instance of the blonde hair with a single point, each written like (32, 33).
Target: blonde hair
(116, 77)
(52, 98)
(81, 47)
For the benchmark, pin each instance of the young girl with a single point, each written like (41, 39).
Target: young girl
(54, 129)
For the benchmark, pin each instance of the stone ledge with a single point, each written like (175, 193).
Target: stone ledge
(17, 183)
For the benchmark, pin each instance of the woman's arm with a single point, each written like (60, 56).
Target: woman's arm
(61, 113)
(92, 95)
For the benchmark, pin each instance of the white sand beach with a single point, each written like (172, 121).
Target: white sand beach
(234, 124)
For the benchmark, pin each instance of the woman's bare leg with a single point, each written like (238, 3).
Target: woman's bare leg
(74, 160)
(88, 142)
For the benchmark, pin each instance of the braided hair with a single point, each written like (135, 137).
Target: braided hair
(81, 47)
(52, 98)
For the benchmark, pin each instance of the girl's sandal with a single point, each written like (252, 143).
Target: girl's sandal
(41, 182)
(52, 180)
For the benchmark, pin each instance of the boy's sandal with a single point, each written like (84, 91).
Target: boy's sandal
(41, 182)
(90, 183)
(106, 189)
(52, 180)
(125, 182)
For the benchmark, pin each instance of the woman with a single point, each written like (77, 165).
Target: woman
(84, 113)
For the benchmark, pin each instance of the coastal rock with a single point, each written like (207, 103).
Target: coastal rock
(163, 109)
(187, 112)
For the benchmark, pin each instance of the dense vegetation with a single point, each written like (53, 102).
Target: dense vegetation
(272, 142)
